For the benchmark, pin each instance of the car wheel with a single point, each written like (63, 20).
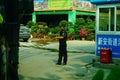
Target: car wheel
(25, 40)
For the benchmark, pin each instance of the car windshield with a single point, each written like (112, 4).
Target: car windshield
(23, 28)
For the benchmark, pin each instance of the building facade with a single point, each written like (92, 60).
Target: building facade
(53, 10)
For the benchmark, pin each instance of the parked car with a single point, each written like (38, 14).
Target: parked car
(24, 33)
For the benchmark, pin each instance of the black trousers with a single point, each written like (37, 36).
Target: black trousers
(62, 56)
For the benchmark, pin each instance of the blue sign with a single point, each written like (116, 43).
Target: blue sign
(108, 41)
(104, 1)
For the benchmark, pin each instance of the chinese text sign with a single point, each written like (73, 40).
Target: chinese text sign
(108, 41)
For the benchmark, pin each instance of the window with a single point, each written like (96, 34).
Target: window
(106, 19)
(103, 19)
(118, 19)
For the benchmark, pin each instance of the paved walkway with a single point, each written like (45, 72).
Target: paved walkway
(39, 64)
(72, 46)
(75, 46)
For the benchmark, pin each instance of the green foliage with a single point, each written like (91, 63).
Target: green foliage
(34, 29)
(1, 19)
(80, 21)
(42, 23)
(44, 31)
(72, 29)
(39, 27)
(30, 24)
(53, 35)
(113, 75)
(63, 23)
(91, 36)
(55, 30)
(99, 75)
(87, 24)
(72, 35)
(90, 27)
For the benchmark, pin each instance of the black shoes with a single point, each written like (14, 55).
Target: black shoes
(64, 64)
(60, 64)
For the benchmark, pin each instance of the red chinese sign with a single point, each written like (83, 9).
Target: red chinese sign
(82, 4)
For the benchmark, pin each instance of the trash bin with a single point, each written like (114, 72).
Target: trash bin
(105, 55)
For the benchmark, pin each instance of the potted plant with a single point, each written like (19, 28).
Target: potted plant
(83, 33)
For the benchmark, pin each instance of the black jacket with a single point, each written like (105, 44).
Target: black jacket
(64, 34)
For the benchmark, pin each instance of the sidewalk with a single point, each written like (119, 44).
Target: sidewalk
(72, 46)
(75, 46)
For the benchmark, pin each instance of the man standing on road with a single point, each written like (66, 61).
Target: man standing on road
(62, 46)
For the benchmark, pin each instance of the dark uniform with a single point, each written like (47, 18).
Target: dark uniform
(62, 48)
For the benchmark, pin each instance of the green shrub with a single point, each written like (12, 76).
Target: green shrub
(53, 35)
(30, 24)
(99, 75)
(114, 74)
(86, 23)
(63, 23)
(91, 36)
(34, 29)
(54, 30)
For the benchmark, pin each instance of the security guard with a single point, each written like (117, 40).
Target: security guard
(62, 46)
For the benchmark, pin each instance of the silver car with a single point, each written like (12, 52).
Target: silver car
(24, 33)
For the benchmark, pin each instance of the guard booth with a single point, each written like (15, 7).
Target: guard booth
(108, 27)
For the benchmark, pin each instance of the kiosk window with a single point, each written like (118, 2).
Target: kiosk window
(106, 19)
(118, 19)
